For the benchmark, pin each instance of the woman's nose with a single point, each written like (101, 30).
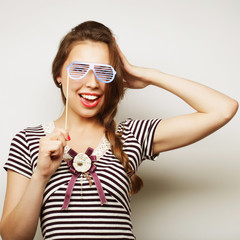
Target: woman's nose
(91, 81)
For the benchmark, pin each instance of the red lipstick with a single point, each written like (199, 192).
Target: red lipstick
(89, 100)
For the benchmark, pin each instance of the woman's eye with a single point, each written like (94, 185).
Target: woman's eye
(104, 72)
(78, 69)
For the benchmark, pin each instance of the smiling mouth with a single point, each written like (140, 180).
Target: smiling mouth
(89, 100)
(88, 97)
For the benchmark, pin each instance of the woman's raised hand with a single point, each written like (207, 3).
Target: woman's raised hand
(134, 76)
(51, 149)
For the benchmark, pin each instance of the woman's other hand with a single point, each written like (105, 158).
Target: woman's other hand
(134, 77)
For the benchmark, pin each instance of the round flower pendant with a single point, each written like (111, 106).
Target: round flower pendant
(82, 163)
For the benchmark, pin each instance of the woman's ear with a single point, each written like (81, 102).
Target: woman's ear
(59, 80)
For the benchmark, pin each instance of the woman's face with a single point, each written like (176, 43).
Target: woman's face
(86, 96)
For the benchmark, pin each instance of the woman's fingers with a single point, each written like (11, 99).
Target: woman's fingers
(126, 64)
(56, 142)
(51, 149)
(59, 133)
(133, 75)
(56, 149)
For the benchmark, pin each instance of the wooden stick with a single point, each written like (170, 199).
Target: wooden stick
(66, 113)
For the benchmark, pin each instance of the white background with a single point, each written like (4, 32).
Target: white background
(191, 193)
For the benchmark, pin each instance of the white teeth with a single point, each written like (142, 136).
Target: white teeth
(89, 97)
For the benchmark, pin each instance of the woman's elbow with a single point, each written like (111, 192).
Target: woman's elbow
(6, 234)
(230, 110)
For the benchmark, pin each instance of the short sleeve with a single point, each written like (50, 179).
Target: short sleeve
(19, 159)
(144, 131)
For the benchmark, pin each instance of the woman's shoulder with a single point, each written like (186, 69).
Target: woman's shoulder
(30, 131)
(135, 124)
(23, 150)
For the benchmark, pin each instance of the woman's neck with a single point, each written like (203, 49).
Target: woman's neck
(84, 132)
(78, 123)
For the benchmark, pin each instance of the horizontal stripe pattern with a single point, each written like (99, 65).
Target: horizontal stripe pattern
(85, 218)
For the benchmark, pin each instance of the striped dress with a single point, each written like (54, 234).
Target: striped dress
(85, 217)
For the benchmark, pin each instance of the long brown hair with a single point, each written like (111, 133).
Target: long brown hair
(114, 91)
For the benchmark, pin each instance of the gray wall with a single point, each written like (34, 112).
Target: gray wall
(190, 193)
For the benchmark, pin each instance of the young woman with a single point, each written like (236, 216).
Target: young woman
(78, 172)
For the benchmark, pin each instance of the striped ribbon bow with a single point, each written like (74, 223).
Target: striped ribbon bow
(82, 164)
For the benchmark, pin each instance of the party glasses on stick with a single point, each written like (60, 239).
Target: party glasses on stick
(103, 72)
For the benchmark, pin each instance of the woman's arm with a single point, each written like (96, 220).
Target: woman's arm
(22, 206)
(213, 109)
(24, 196)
